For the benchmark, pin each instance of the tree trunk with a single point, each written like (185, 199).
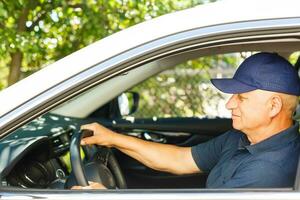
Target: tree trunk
(16, 57)
(15, 67)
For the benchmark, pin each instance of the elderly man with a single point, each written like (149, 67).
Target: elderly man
(261, 151)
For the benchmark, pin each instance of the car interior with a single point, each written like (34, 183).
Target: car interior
(168, 100)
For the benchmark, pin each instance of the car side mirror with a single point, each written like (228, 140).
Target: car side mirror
(128, 103)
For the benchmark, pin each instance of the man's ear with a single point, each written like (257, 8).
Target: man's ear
(275, 105)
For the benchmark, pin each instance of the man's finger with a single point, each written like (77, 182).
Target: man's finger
(87, 187)
(76, 187)
(88, 140)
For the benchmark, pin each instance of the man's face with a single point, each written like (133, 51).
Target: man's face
(249, 111)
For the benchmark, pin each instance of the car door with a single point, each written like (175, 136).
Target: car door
(249, 35)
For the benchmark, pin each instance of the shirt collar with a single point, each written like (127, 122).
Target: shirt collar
(282, 138)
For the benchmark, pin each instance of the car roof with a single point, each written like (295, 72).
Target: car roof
(222, 12)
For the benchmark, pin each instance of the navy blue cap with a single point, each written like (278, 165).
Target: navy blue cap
(264, 71)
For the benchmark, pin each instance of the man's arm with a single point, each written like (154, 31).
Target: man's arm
(162, 157)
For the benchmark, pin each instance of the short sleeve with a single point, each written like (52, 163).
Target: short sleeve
(206, 155)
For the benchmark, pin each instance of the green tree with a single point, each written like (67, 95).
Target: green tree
(35, 33)
(185, 90)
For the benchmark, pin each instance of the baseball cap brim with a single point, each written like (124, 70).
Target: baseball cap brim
(231, 86)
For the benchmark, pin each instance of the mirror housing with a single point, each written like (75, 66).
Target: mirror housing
(128, 103)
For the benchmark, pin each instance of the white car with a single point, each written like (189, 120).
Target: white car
(104, 81)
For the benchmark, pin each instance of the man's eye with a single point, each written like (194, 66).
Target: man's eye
(241, 98)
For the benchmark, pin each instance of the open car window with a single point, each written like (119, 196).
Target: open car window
(177, 106)
(185, 90)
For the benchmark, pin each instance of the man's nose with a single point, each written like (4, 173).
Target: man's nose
(232, 102)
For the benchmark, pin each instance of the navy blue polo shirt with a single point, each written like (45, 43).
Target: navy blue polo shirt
(233, 163)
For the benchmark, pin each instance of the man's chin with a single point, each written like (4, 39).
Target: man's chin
(236, 126)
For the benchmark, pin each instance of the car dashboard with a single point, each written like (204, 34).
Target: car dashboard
(37, 155)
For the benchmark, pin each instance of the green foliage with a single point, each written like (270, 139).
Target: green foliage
(185, 90)
(294, 57)
(47, 30)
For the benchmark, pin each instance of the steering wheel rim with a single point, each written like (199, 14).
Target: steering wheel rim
(78, 166)
(76, 162)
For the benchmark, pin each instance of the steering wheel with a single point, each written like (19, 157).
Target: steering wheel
(101, 165)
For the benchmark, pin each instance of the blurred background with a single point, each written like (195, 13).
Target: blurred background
(35, 33)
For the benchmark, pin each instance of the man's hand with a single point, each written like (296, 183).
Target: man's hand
(102, 135)
(91, 186)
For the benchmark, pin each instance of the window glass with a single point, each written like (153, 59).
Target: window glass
(186, 90)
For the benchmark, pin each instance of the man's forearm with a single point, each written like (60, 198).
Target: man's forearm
(157, 156)
(163, 157)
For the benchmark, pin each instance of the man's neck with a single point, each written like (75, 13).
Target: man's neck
(264, 133)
